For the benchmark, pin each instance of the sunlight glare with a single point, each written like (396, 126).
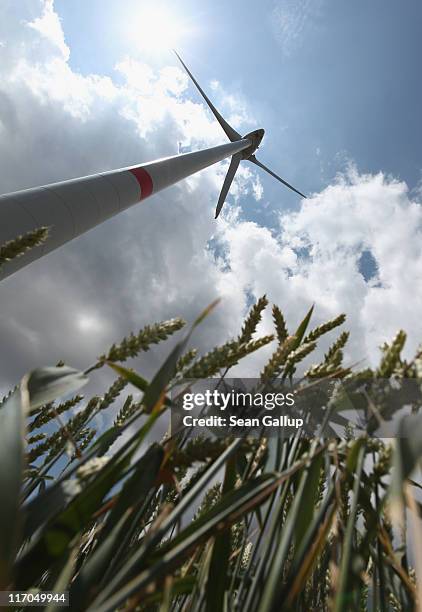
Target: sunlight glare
(155, 28)
(89, 323)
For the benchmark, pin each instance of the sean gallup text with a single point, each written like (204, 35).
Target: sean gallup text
(234, 421)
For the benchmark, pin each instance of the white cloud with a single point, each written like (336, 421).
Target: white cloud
(152, 262)
(314, 258)
(48, 24)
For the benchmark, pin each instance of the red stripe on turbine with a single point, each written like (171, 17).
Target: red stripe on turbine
(144, 180)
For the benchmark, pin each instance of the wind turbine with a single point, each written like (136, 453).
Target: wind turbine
(71, 208)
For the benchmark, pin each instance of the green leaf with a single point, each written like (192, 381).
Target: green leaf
(301, 330)
(135, 489)
(315, 538)
(11, 474)
(106, 440)
(307, 508)
(145, 472)
(343, 585)
(407, 455)
(65, 577)
(43, 507)
(47, 384)
(135, 379)
(206, 312)
(354, 454)
(218, 574)
(296, 340)
(88, 580)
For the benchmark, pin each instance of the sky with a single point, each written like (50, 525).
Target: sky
(91, 86)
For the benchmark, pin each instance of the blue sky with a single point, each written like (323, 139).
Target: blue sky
(335, 85)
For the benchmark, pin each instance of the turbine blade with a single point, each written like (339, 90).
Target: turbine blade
(231, 133)
(253, 159)
(234, 164)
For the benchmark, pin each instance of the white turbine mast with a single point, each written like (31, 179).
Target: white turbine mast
(71, 208)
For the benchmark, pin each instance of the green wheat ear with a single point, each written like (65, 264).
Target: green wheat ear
(252, 320)
(134, 344)
(20, 245)
(280, 324)
(319, 331)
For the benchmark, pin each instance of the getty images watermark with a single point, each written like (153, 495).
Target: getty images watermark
(223, 400)
(327, 408)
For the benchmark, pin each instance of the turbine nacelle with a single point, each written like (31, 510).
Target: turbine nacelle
(255, 137)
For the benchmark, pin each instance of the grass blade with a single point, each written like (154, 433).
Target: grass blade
(12, 431)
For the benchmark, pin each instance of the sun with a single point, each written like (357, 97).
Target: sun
(156, 28)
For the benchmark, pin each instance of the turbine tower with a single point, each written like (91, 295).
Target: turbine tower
(71, 208)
